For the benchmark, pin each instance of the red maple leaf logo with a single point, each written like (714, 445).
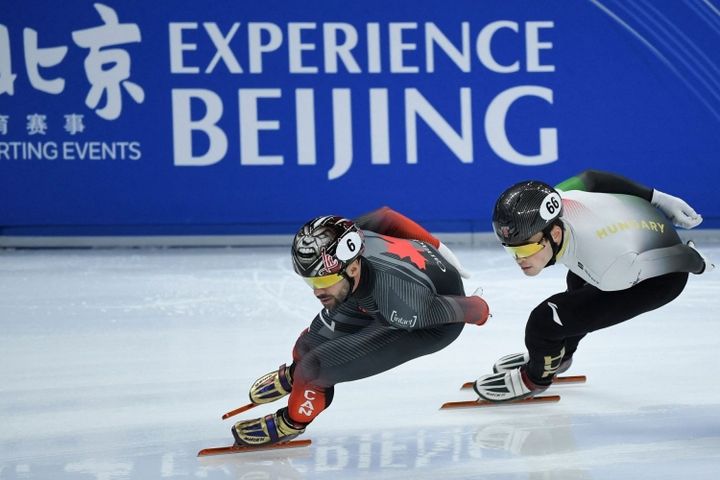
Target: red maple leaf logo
(405, 249)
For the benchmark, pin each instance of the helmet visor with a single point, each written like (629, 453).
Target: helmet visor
(323, 282)
(524, 250)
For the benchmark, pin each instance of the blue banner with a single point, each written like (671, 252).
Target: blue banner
(227, 117)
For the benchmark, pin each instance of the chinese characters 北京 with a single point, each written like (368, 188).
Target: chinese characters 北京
(107, 68)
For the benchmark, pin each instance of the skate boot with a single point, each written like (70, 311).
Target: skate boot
(271, 386)
(511, 362)
(517, 360)
(709, 265)
(270, 429)
(507, 386)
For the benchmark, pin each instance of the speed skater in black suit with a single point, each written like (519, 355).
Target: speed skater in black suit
(390, 292)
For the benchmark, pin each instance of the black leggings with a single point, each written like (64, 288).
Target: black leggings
(375, 349)
(322, 362)
(557, 325)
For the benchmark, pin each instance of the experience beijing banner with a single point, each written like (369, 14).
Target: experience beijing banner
(232, 117)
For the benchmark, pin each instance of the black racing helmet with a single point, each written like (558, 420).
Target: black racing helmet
(325, 246)
(525, 209)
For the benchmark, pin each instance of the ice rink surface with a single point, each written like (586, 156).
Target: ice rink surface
(117, 364)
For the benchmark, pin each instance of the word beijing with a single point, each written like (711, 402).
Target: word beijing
(375, 50)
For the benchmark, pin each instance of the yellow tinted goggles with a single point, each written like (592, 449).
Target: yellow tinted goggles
(323, 282)
(524, 250)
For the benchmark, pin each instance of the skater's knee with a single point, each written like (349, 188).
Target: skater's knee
(308, 369)
(302, 346)
(544, 322)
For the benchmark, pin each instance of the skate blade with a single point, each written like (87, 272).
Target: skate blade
(206, 452)
(566, 380)
(244, 408)
(487, 403)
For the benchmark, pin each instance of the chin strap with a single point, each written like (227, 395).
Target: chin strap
(351, 281)
(555, 247)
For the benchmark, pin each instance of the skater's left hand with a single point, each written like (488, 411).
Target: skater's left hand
(676, 209)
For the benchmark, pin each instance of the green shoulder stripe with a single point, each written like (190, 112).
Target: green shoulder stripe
(572, 183)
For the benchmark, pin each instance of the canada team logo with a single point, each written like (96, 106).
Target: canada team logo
(405, 249)
(330, 263)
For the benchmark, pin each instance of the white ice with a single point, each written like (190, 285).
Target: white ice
(117, 364)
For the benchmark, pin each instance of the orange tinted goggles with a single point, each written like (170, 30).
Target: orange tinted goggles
(323, 282)
(524, 250)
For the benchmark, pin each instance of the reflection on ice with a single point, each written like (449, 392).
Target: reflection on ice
(554, 446)
(526, 446)
(117, 364)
